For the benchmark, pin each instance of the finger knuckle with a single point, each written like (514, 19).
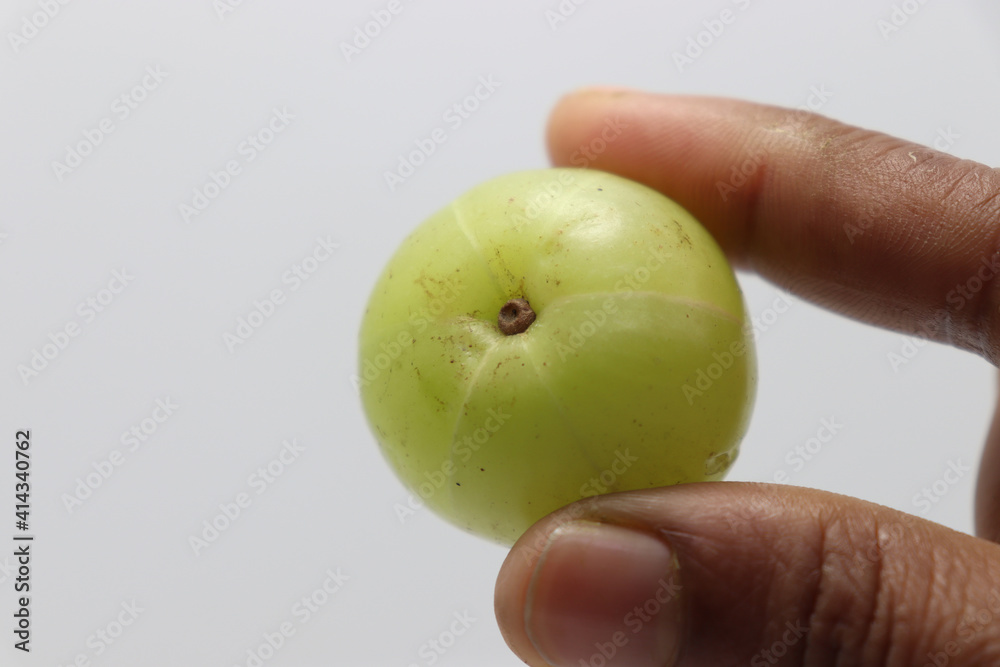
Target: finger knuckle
(972, 203)
(863, 610)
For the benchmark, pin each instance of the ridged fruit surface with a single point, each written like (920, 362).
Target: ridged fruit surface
(638, 370)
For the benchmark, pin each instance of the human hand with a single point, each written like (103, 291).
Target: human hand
(721, 574)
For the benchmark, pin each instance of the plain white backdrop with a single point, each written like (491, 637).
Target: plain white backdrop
(115, 116)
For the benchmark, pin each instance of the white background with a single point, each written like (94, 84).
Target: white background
(162, 336)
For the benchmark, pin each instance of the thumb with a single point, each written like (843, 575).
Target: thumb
(747, 574)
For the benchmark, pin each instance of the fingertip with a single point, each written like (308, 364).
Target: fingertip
(573, 115)
(511, 593)
(596, 594)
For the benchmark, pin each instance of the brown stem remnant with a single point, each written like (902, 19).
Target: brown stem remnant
(515, 317)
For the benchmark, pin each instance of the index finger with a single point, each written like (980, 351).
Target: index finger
(874, 227)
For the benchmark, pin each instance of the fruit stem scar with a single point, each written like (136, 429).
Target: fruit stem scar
(515, 317)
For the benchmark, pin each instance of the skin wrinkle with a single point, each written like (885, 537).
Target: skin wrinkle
(791, 559)
(985, 643)
(913, 251)
(953, 228)
(939, 585)
(880, 607)
(824, 622)
(892, 177)
(891, 650)
(947, 590)
(815, 583)
(986, 302)
(959, 182)
(838, 630)
(991, 203)
(982, 305)
(949, 581)
(826, 197)
(889, 166)
(983, 315)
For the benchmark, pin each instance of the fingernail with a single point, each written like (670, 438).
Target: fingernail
(604, 595)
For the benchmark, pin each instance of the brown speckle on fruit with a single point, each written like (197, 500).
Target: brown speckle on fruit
(684, 238)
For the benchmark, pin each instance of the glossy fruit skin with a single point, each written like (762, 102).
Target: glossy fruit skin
(638, 372)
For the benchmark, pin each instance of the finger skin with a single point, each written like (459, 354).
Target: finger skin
(877, 228)
(870, 585)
